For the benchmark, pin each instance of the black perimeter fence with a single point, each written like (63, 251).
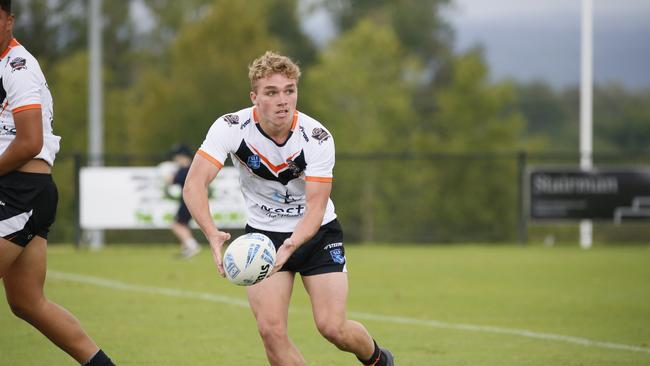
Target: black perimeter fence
(405, 198)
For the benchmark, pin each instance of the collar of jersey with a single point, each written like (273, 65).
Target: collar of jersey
(259, 128)
(13, 43)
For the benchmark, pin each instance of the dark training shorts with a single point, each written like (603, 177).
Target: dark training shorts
(324, 253)
(183, 215)
(27, 206)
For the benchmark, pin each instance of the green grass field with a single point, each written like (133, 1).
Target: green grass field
(431, 305)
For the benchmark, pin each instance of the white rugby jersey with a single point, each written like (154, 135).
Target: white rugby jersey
(272, 176)
(24, 87)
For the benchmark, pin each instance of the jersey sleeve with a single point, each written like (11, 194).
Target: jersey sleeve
(220, 140)
(320, 161)
(22, 84)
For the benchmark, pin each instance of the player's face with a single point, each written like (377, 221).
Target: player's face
(6, 27)
(275, 98)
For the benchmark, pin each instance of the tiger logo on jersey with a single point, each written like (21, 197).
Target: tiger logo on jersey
(320, 134)
(18, 63)
(294, 168)
(231, 119)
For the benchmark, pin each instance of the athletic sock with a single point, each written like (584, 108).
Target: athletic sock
(377, 358)
(99, 359)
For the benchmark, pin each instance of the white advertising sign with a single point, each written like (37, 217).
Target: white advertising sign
(139, 198)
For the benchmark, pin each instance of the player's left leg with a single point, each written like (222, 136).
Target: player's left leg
(328, 293)
(23, 284)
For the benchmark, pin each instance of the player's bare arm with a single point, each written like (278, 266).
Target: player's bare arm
(195, 193)
(27, 143)
(317, 195)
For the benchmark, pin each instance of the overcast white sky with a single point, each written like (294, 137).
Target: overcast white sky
(540, 39)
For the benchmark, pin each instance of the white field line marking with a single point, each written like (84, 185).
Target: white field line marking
(117, 285)
(510, 331)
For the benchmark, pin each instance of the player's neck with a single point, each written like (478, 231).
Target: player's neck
(278, 133)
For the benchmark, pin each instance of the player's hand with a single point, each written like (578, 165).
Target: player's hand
(216, 243)
(284, 252)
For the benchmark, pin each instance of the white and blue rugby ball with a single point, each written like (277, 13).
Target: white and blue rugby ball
(249, 259)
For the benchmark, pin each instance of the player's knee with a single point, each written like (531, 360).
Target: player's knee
(332, 331)
(272, 332)
(21, 308)
(25, 305)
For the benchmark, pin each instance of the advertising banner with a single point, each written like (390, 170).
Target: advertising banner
(617, 195)
(140, 198)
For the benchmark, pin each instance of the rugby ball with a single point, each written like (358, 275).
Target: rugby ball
(249, 259)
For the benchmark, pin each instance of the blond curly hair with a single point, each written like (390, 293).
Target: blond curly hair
(271, 63)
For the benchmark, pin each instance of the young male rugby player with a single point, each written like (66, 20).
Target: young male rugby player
(285, 161)
(28, 196)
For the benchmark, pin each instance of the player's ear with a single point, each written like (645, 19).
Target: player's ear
(253, 97)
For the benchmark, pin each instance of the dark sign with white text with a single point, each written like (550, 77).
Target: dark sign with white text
(617, 195)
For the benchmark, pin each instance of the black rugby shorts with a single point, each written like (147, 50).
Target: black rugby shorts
(324, 253)
(183, 215)
(27, 206)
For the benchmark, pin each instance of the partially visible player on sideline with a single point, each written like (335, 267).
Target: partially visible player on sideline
(28, 196)
(181, 155)
(285, 161)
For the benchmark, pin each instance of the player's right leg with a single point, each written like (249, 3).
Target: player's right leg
(269, 301)
(23, 284)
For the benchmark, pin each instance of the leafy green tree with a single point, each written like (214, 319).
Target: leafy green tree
(49, 29)
(475, 116)
(284, 24)
(169, 17)
(621, 119)
(54, 30)
(280, 18)
(418, 24)
(360, 90)
(546, 115)
(207, 77)
(70, 94)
